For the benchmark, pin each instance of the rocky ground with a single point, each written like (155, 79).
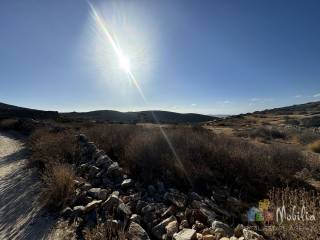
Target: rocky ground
(21, 214)
(105, 194)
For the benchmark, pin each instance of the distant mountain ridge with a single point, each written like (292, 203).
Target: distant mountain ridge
(11, 111)
(142, 116)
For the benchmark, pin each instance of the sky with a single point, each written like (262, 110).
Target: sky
(210, 56)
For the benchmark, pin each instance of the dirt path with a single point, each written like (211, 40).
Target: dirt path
(21, 216)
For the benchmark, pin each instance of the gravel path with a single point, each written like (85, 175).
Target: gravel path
(21, 216)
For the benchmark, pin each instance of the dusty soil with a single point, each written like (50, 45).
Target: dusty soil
(21, 214)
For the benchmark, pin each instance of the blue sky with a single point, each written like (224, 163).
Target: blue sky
(212, 57)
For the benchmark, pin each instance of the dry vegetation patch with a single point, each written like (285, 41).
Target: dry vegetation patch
(58, 186)
(179, 155)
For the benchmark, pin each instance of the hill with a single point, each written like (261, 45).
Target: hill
(11, 111)
(143, 116)
(299, 109)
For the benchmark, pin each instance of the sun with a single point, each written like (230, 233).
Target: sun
(124, 62)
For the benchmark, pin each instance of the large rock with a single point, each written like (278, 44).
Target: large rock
(124, 211)
(98, 193)
(208, 214)
(185, 234)
(220, 227)
(159, 230)
(93, 170)
(114, 170)
(172, 228)
(104, 161)
(112, 202)
(136, 232)
(176, 198)
(251, 235)
(78, 210)
(92, 205)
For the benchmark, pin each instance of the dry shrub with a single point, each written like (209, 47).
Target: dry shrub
(58, 186)
(105, 231)
(203, 158)
(266, 133)
(294, 200)
(315, 146)
(112, 138)
(307, 136)
(51, 148)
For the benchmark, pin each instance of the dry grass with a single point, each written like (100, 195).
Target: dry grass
(58, 186)
(315, 146)
(49, 148)
(203, 158)
(105, 231)
(294, 200)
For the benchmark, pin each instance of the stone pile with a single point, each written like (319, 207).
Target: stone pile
(105, 194)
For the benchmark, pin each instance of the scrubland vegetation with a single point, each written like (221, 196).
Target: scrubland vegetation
(250, 161)
(202, 157)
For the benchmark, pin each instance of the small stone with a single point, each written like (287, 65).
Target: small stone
(208, 237)
(135, 218)
(185, 234)
(86, 186)
(199, 236)
(238, 231)
(198, 226)
(184, 224)
(127, 183)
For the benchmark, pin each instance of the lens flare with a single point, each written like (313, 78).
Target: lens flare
(124, 63)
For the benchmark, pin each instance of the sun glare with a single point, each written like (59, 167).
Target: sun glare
(124, 62)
